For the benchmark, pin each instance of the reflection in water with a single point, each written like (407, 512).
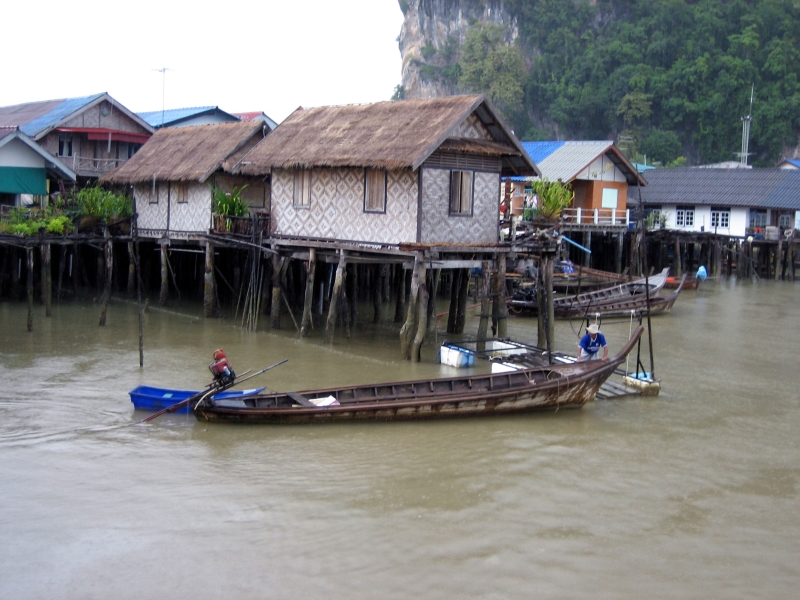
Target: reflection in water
(692, 494)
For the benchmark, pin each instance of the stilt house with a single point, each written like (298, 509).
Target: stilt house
(414, 171)
(172, 176)
(90, 135)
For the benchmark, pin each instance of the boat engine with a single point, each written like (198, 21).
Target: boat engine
(221, 369)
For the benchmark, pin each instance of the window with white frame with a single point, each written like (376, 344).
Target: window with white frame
(375, 190)
(302, 188)
(786, 220)
(461, 192)
(758, 217)
(684, 216)
(720, 218)
(65, 144)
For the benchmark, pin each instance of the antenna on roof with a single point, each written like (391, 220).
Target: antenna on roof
(163, 71)
(746, 131)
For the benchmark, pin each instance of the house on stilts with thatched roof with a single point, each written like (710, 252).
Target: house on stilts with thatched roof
(174, 175)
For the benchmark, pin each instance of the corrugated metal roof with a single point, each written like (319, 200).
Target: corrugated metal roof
(567, 161)
(154, 117)
(757, 188)
(55, 115)
(538, 151)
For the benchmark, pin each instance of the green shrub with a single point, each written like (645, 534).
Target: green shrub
(230, 203)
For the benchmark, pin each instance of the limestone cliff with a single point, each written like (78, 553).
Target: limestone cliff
(432, 33)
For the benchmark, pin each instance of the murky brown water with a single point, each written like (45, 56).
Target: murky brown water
(693, 494)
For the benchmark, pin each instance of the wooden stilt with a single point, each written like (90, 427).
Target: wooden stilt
(131, 271)
(47, 281)
(76, 265)
(463, 296)
(790, 260)
(408, 328)
(210, 306)
(400, 290)
(330, 326)
(618, 256)
(502, 321)
(455, 287)
(483, 324)
(587, 258)
(377, 292)
(434, 289)
(62, 259)
(164, 295)
(677, 262)
(422, 315)
(549, 306)
(108, 251)
(311, 268)
(275, 310)
(30, 288)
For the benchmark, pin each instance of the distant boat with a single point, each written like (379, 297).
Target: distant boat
(577, 304)
(151, 398)
(525, 390)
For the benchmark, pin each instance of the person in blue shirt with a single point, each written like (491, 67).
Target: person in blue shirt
(590, 344)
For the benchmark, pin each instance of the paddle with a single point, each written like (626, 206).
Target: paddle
(207, 392)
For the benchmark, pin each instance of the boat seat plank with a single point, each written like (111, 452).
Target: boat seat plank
(300, 399)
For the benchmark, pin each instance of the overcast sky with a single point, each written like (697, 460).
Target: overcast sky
(240, 55)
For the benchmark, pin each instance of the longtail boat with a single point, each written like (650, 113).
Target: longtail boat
(622, 306)
(525, 390)
(580, 302)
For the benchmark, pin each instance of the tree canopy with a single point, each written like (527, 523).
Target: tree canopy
(673, 75)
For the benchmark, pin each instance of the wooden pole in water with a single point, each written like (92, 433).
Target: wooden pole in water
(486, 290)
(76, 265)
(275, 306)
(422, 314)
(138, 285)
(311, 268)
(210, 306)
(377, 292)
(790, 260)
(407, 330)
(502, 315)
(108, 251)
(452, 315)
(30, 288)
(330, 326)
(463, 296)
(62, 258)
(549, 306)
(163, 296)
(400, 289)
(131, 271)
(47, 281)
(432, 325)
(677, 265)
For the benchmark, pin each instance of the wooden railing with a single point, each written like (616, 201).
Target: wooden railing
(613, 217)
(99, 166)
(257, 223)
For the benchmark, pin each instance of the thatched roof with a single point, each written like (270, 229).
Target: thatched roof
(186, 153)
(386, 135)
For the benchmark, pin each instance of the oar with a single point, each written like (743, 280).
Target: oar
(206, 393)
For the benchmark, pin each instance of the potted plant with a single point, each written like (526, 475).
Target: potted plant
(225, 205)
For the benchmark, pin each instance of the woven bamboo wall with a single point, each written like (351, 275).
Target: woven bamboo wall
(337, 207)
(437, 223)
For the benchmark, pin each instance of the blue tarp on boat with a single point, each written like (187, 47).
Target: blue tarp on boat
(151, 398)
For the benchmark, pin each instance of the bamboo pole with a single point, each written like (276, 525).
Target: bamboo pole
(311, 268)
(330, 326)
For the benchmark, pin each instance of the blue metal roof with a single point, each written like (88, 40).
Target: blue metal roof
(538, 151)
(154, 117)
(57, 114)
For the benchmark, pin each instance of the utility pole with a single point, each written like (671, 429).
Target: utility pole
(746, 130)
(163, 71)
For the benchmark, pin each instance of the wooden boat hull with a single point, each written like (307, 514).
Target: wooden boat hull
(526, 390)
(622, 306)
